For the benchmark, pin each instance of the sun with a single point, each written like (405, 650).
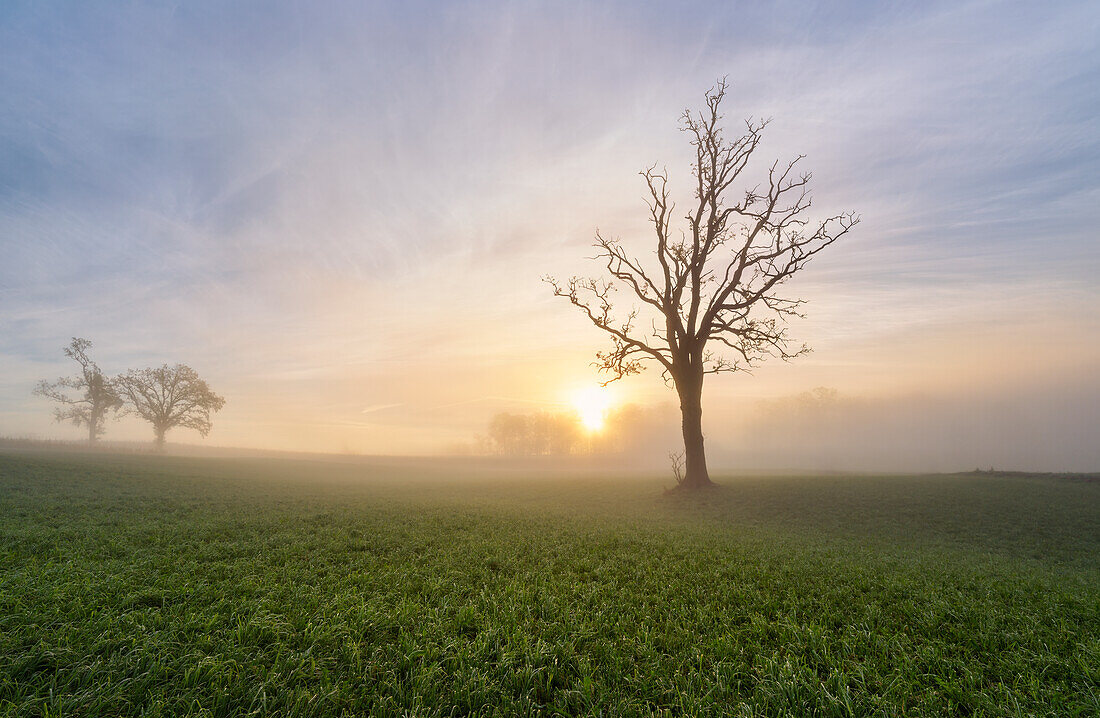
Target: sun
(592, 404)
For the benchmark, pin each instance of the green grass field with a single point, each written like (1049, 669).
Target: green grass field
(138, 585)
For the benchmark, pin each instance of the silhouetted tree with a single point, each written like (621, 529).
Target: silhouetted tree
(170, 396)
(715, 285)
(97, 395)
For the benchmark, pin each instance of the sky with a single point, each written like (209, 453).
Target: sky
(339, 215)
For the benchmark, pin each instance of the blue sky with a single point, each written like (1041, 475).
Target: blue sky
(326, 207)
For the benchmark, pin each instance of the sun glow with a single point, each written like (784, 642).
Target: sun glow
(592, 404)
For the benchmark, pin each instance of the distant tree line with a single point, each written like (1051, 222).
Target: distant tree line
(537, 434)
(167, 397)
(545, 433)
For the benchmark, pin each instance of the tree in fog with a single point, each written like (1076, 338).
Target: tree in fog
(170, 396)
(554, 434)
(712, 301)
(535, 434)
(87, 398)
(508, 433)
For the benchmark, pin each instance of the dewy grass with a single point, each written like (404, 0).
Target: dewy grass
(166, 586)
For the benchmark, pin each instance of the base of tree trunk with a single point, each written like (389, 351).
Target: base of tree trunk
(689, 485)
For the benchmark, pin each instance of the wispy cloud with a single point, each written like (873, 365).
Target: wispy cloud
(378, 407)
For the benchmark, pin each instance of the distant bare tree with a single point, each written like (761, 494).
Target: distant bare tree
(170, 396)
(96, 397)
(677, 459)
(717, 284)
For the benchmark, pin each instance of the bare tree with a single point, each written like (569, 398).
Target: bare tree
(677, 459)
(170, 396)
(97, 395)
(713, 296)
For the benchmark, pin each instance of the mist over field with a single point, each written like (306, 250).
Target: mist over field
(1005, 417)
(530, 358)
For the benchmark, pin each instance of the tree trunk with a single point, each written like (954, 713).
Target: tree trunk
(691, 408)
(91, 432)
(160, 437)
